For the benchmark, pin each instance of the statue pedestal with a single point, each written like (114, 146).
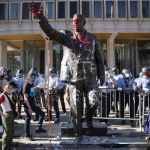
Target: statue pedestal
(99, 129)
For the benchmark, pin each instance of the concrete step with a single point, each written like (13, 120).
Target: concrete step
(99, 129)
(84, 143)
(118, 137)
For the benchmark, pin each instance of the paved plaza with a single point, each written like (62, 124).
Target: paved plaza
(119, 137)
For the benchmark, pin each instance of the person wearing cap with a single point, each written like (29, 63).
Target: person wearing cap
(137, 90)
(19, 80)
(128, 97)
(31, 106)
(116, 85)
(35, 71)
(6, 112)
(61, 93)
(82, 62)
(52, 98)
(143, 85)
(9, 75)
(41, 86)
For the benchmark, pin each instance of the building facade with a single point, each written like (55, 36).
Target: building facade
(122, 26)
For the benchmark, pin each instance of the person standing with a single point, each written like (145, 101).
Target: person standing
(3, 82)
(6, 112)
(61, 92)
(144, 85)
(31, 106)
(82, 62)
(128, 97)
(19, 80)
(53, 96)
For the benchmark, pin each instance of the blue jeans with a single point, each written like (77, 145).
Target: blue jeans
(41, 115)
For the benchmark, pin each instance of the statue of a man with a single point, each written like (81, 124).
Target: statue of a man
(81, 66)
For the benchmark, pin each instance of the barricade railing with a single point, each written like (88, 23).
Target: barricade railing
(145, 109)
(122, 105)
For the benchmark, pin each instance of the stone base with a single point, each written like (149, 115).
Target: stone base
(99, 129)
(66, 129)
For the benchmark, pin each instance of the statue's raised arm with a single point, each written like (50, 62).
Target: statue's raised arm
(46, 27)
(36, 10)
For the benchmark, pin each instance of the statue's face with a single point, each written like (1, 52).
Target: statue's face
(78, 23)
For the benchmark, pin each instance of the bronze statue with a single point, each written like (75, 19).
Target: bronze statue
(81, 65)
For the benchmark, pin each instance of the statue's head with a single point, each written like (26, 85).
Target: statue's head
(78, 22)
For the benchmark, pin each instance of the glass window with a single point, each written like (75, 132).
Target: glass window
(97, 9)
(109, 9)
(133, 9)
(85, 9)
(3, 11)
(145, 9)
(122, 9)
(73, 8)
(14, 11)
(50, 10)
(13, 60)
(61, 10)
(26, 15)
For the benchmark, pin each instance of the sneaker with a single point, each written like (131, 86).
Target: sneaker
(132, 124)
(56, 120)
(40, 130)
(35, 119)
(65, 114)
(19, 117)
(29, 138)
(47, 119)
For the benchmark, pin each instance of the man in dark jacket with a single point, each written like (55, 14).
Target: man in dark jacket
(82, 63)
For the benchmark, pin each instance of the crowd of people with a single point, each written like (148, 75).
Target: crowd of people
(82, 72)
(40, 96)
(127, 89)
(28, 94)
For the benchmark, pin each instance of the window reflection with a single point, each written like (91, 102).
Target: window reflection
(14, 11)
(109, 9)
(133, 9)
(85, 9)
(97, 9)
(121, 9)
(73, 8)
(26, 15)
(13, 60)
(124, 9)
(61, 10)
(3, 11)
(145, 9)
(50, 10)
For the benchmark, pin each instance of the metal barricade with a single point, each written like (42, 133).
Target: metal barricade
(121, 105)
(145, 106)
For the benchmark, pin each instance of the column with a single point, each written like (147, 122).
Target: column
(48, 56)
(111, 50)
(137, 59)
(3, 53)
(21, 59)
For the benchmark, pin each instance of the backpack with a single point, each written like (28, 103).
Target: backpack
(147, 125)
(12, 104)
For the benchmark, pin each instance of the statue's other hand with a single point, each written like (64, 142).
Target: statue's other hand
(35, 9)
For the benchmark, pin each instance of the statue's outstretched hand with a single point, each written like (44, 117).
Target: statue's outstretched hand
(36, 10)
